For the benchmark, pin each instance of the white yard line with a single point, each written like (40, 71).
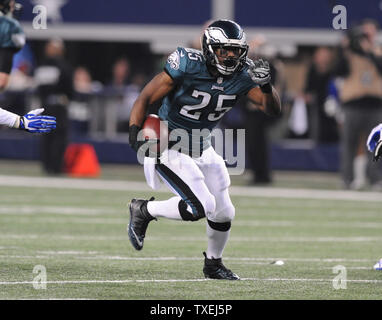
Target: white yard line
(71, 215)
(187, 239)
(75, 214)
(97, 256)
(24, 218)
(179, 280)
(353, 268)
(96, 184)
(69, 252)
(31, 209)
(169, 238)
(61, 220)
(60, 299)
(316, 224)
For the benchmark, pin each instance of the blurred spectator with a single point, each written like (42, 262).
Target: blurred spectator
(360, 66)
(54, 81)
(323, 126)
(82, 80)
(121, 73)
(131, 93)
(257, 122)
(79, 108)
(118, 92)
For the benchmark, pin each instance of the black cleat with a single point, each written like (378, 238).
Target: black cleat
(139, 220)
(215, 269)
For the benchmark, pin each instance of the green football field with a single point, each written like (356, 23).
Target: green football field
(74, 232)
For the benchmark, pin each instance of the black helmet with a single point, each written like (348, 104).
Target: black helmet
(224, 34)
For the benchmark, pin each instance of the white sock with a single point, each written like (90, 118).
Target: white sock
(216, 242)
(359, 169)
(166, 209)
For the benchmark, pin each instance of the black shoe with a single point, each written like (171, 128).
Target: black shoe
(215, 269)
(139, 220)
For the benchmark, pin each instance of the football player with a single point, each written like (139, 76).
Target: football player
(198, 88)
(374, 145)
(12, 39)
(374, 142)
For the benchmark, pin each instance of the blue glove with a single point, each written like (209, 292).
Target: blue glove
(374, 142)
(33, 122)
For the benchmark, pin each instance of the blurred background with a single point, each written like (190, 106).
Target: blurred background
(108, 50)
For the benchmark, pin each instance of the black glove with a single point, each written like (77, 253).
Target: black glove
(136, 144)
(133, 137)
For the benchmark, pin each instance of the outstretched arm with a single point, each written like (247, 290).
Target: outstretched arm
(33, 121)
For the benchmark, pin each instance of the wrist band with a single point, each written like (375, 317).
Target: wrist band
(266, 88)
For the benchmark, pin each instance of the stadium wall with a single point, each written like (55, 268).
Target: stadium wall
(284, 156)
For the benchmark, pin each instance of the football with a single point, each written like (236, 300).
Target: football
(155, 129)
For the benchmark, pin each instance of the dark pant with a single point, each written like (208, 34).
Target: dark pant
(358, 122)
(53, 144)
(257, 146)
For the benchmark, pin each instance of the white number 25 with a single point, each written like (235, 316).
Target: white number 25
(191, 111)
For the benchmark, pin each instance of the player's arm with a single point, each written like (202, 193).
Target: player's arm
(265, 96)
(155, 90)
(33, 121)
(268, 102)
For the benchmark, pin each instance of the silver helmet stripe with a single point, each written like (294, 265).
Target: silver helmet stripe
(217, 35)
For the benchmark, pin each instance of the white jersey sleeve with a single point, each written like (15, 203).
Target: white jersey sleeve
(8, 118)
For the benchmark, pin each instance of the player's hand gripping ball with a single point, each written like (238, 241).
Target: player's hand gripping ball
(155, 132)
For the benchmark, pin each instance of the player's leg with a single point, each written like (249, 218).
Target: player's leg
(374, 172)
(218, 235)
(139, 221)
(192, 201)
(350, 134)
(218, 222)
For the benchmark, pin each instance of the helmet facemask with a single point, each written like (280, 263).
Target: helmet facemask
(228, 58)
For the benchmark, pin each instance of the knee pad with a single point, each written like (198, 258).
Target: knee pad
(196, 214)
(199, 208)
(220, 226)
